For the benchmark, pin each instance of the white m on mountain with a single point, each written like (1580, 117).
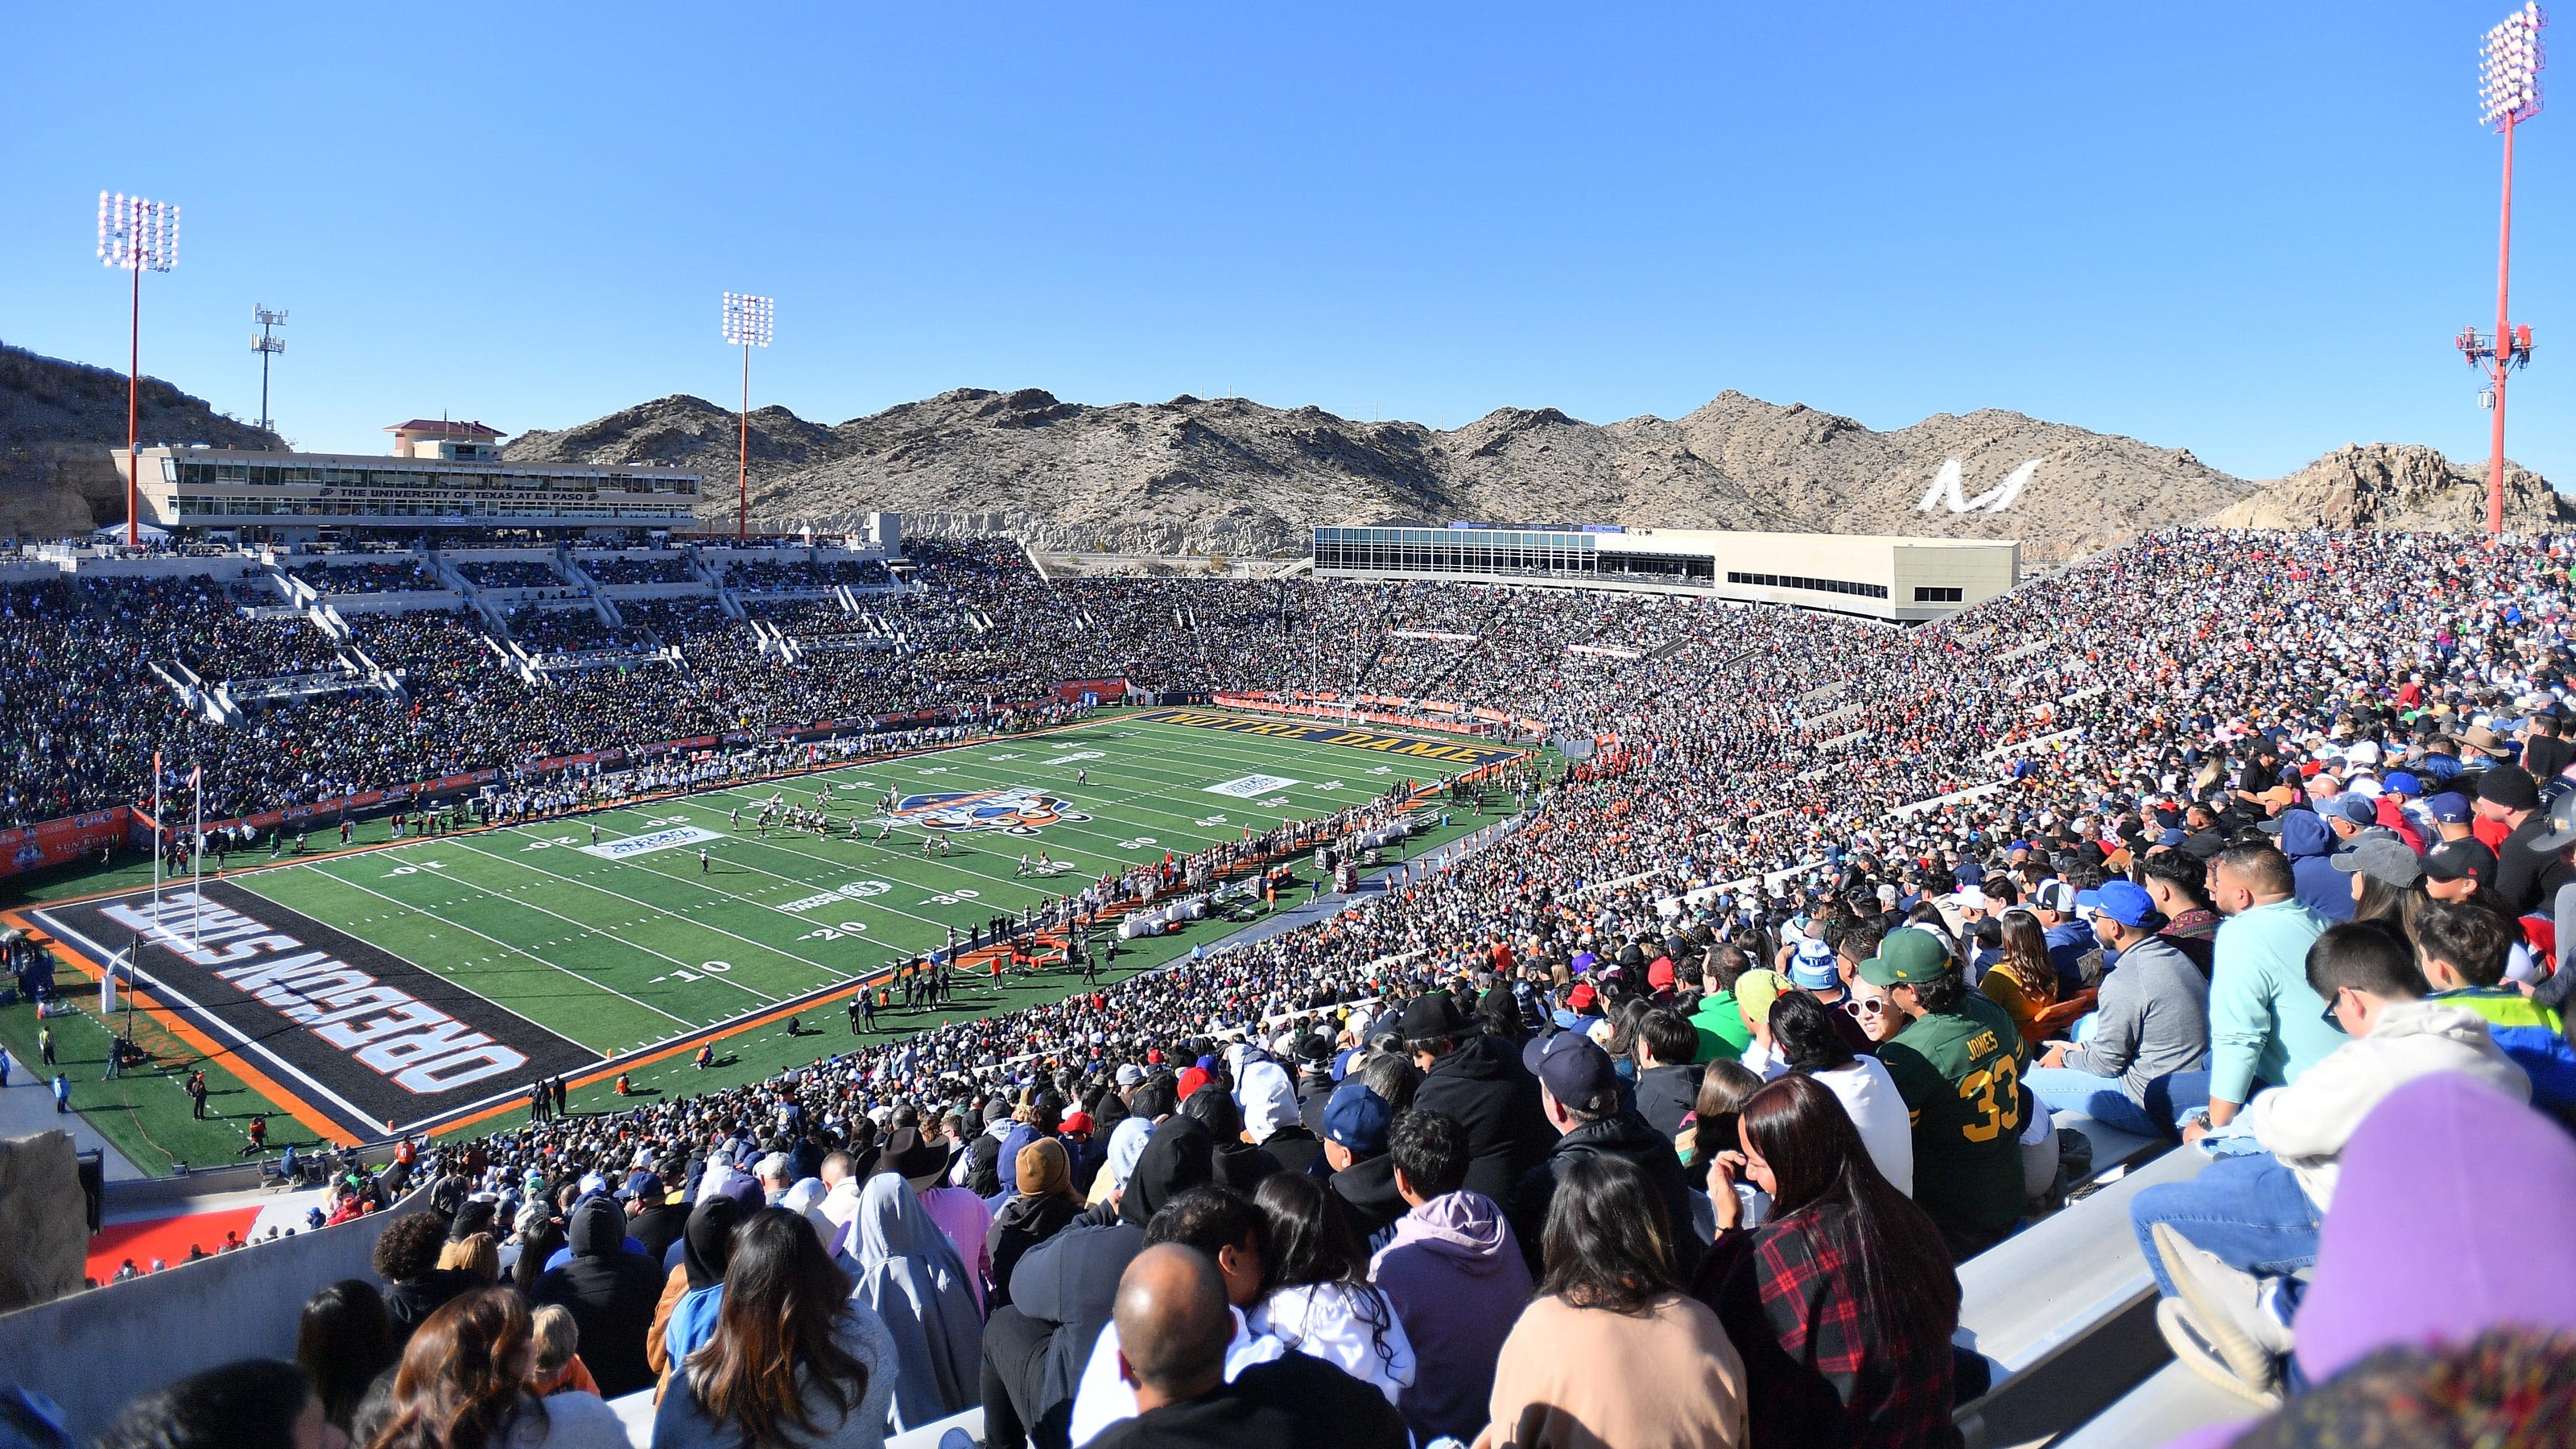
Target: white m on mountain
(1946, 489)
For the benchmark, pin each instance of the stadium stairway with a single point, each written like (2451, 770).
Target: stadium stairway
(2063, 1311)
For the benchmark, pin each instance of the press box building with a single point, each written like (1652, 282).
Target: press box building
(440, 475)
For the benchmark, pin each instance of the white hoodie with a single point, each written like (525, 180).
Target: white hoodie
(1353, 1327)
(2306, 1124)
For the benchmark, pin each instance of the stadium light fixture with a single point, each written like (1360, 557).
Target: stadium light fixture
(2508, 94)
(267, 344)
(749, 322)
(140, 236)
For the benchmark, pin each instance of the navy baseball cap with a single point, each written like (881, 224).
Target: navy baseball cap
(2451, 808)
(1574, 1070)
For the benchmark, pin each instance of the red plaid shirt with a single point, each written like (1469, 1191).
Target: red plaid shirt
(1821, 1368)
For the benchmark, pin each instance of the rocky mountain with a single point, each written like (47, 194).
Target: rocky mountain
(2402, 486)
(1225, 475)
(57, 421)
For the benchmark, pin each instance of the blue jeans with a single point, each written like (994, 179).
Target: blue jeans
(2069, 1089)
(2249, 1211)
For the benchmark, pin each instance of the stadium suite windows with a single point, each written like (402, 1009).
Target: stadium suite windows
(1819, 586)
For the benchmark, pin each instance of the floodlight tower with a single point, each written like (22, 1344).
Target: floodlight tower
(267, 344)
(140, 236)
(2508, 94)
(748, 323)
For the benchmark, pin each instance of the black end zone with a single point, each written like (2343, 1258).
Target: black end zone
(360, 1034)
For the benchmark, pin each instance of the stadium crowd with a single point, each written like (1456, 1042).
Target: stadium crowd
(1705, 1075)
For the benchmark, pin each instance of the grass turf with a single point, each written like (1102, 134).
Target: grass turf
(621, 954)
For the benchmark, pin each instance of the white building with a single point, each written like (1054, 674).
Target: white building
(1901, 580)
(440, 476)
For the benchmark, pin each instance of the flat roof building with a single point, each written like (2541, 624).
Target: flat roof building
(441, 475)
(1901, 580)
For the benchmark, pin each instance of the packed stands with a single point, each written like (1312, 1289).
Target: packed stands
(514, 573)
(372, 577)
(1864, 1025)
(659, 568)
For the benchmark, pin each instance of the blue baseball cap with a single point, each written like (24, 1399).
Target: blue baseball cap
(2173, 838)
(2126, 902)
(2451, 808)
(2353, 808)
(2402, 782)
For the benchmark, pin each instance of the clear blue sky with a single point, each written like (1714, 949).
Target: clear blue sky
(2248, 230)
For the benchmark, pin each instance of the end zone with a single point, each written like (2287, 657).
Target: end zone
(359, 1034)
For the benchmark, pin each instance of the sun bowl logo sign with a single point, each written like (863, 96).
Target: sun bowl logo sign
(1013, 810)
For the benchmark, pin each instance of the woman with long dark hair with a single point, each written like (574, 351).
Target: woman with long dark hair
(2024, 982)
(1844, 1302)
(1316, 1296)
(794, 1362)
(344, 1340)
(1611, 1352)
(464, 1384)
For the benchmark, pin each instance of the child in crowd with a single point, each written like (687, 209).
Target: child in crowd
(559, 1369)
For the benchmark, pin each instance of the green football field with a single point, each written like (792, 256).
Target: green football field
(627, 941)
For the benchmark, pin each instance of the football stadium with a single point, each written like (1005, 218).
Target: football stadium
(1027, 919)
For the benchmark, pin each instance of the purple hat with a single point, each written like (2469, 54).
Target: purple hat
(2434, 1167)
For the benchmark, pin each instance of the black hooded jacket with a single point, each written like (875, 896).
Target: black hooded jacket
(611, 1292)
(1367, 1190)
(410, 1301)
(1622, 1134)
(1493, 1096)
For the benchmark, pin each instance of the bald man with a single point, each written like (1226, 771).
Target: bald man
(1173, 1327)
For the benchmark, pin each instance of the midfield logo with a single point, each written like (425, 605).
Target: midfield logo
(1013, 810)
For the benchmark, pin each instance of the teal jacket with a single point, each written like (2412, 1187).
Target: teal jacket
(2265, 1022)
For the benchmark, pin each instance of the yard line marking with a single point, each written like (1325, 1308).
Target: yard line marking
(539, 960)
(660, 911)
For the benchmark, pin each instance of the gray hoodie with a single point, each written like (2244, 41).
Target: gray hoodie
(2153, 1019)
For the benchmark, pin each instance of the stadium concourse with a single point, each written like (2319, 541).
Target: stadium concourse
(1741, 1094)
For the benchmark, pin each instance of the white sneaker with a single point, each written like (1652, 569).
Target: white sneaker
(2228, 1306)
(2193, 1350)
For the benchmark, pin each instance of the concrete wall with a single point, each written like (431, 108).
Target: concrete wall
(94, 1351)
(44, 1220)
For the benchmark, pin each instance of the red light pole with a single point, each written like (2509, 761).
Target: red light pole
(140, 236)
(749, 322)
(2509, 93)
